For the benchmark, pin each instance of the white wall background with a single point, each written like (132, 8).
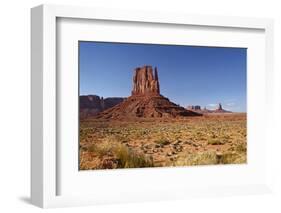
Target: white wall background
(15, 104)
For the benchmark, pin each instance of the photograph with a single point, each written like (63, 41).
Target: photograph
(161, 105)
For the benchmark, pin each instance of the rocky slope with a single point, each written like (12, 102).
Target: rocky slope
(146, 100)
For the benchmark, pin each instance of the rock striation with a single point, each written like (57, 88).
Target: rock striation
(145, 100)
(145, 82)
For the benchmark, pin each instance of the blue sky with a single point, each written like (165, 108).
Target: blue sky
(189, 75)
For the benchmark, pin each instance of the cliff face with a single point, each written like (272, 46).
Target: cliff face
(91, 105)
(90, 101)
(145, 82)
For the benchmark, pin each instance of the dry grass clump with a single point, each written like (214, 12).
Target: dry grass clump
(199, 158)
(210, 158)
(235, 155)
(233, 158)
(116, 155)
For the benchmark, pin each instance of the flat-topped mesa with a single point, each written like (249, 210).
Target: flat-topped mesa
(145, 82)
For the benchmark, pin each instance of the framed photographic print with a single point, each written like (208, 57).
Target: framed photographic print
(130, 106)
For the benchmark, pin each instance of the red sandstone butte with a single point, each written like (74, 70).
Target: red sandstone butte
(145, 82)
(146, 100)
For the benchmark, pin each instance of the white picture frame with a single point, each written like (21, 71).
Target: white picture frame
(44, 148)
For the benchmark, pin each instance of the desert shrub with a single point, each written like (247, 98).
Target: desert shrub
(162, 141)
(84, 132)
(129, 159)
(212, 141)
(125, 157)
(236, 154)
(101, 149)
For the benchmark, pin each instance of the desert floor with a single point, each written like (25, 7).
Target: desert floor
(205, 140)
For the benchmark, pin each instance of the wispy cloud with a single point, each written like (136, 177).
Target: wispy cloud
(212, 105)
(230, 104)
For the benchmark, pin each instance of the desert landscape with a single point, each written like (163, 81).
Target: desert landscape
(146, 129)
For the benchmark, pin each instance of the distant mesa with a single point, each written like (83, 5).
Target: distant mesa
(145, 100)
(197, 108)
(219, 109)
(91, 105)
